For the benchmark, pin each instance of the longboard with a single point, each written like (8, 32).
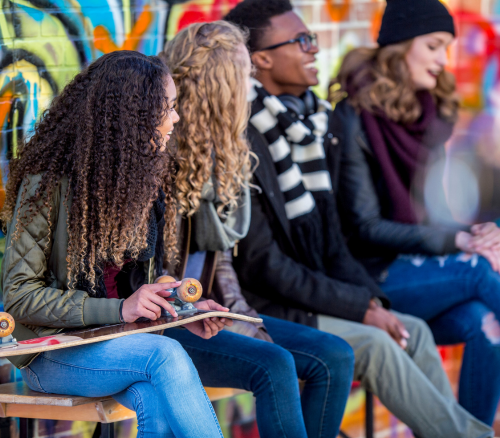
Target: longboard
(181, 297)
(105, 333)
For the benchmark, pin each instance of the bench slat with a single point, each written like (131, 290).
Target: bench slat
(108, 411)
(18, 392)
(17, 400)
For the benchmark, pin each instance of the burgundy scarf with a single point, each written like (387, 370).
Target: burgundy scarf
(403, 150)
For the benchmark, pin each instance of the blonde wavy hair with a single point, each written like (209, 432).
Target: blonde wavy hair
(378, 79)
(207, 65)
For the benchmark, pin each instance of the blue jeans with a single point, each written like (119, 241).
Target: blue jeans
(147, 373)
(325, 362)
(460, 300)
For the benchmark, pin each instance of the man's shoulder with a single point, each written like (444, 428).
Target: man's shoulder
(255, 138)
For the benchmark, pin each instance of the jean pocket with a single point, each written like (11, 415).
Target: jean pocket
(31, 379)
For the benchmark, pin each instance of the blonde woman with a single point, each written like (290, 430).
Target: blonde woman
(399, 111)
(211, 67)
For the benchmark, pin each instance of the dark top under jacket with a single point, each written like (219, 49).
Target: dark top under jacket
(364, 206)
(274, 282)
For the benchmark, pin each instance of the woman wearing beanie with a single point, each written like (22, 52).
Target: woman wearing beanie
(399, 112)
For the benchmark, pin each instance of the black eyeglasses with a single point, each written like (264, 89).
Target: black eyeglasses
(306, 40)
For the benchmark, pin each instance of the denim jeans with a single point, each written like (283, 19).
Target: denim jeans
(270, 371)
(147, 373)
(460, 300)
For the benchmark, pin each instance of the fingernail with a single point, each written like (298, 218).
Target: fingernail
(213, 319)
(403, 343)
(175, 314)
(222, 319)
(406, 334)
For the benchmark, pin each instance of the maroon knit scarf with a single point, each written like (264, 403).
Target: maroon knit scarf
(403, 150)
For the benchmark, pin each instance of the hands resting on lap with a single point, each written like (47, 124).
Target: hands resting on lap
(484, 239)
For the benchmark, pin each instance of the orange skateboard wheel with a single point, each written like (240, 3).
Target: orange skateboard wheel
(165, 279)
(190, 290)
(7, 324)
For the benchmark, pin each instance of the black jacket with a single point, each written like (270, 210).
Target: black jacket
(364, 206)
(274, 282)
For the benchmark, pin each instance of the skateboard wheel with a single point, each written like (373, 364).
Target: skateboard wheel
(7, 324)
(190, 290)
(165, 279)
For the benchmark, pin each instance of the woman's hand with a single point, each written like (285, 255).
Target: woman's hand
(464, 241)
(485, 235)
(208, 327)
(147, 302)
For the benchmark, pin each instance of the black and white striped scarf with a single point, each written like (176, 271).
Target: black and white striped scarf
(296, 147)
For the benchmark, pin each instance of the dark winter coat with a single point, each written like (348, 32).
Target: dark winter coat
(274, 282)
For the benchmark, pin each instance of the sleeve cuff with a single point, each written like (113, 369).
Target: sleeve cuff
(99, 311)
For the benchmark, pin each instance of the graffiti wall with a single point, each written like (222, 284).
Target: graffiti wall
(44, 43)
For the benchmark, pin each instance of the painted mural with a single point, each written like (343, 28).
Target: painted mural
(44, 43)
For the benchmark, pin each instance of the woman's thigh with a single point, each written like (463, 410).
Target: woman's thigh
(233, 360)
(102, 368)
(428, 286)
(311, 347)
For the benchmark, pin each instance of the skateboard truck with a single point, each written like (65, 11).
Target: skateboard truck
(185, 295)
(7, 325)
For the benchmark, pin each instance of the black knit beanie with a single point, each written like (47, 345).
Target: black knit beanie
(407, 19)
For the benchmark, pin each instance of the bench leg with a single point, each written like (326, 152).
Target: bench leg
(369, 420)
(26, 427)
(107, 430)
(104, 430)
(5, 427)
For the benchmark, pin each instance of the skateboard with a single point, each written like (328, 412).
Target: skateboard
(188, 292)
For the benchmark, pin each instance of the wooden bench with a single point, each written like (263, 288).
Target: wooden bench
(17, 400)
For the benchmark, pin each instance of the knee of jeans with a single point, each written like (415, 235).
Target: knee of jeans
(166, 351)
(334, 352)
(274, 357)
(273, 362)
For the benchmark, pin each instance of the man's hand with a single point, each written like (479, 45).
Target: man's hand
(208, 327)
(379, 317)
(147, 302)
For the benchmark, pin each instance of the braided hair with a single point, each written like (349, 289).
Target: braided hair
(207, 61)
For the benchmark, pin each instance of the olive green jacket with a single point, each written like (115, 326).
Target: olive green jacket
(34, 276)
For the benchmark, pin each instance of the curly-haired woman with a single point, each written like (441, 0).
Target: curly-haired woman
(211, 68)
(399, 112)
(87, 201)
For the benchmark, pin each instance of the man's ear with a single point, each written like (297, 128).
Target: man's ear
(262, 60)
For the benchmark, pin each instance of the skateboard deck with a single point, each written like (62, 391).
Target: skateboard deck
(105, 333)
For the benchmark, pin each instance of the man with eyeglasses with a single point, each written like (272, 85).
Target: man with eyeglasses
(294, 263)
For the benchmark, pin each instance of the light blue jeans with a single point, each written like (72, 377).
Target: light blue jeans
(150, 374)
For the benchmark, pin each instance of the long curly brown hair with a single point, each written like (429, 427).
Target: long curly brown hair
(101, 133)
(378, 79)
(208, 70)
